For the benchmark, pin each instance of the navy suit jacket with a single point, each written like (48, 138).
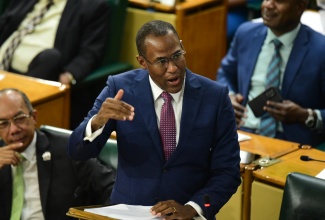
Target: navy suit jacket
(81, 35)
(206, 160)
(63, 183)
(304, 76)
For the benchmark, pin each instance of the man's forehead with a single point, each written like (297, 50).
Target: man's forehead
(11, 104)
(11, 97)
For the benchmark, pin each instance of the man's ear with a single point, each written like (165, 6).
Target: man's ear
(182, 46)
(142, 62)
(302, 6)
(35, 115)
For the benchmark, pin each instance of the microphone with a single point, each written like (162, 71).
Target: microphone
(307, 158)
(206, 198)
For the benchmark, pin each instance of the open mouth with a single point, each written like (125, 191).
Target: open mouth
(174, 81)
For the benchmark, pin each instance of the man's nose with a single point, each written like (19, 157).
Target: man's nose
(172, 66)
(13, 127)
(268, 3)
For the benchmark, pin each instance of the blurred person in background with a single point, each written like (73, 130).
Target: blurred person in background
(300, 67)
(58, 40)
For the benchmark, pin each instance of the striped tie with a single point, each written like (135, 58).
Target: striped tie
(268, 123)
(167, 125)
(14, 43)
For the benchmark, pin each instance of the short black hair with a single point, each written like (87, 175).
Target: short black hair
(155, 28)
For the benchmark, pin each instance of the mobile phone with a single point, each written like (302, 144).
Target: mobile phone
(257, 104)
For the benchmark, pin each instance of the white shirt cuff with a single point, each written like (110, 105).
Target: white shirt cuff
(89, 135)
(319, 122)
(197, 209)
(231, 93)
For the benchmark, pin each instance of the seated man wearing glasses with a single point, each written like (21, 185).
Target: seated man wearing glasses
(176, 132)
(50, 182)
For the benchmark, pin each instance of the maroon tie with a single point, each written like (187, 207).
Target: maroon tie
(167, 125)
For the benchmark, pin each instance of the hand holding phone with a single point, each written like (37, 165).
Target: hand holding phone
(257, 104)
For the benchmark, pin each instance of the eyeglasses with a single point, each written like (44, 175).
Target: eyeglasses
(17, 120)
(163, 63)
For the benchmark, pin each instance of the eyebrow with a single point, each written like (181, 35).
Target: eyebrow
(15, 115)
(162, 58)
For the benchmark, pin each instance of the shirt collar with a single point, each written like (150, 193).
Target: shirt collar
(156, 91)
(286, 39)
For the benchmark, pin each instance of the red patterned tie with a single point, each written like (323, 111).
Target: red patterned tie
(167, 125)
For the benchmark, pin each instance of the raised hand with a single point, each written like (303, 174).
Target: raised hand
(113, 108)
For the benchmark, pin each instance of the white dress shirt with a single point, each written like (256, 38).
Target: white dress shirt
(32, 208)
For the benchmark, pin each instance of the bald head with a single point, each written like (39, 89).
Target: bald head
(15, 93)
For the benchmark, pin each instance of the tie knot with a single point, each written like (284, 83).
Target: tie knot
(22, 158)
(166, 96)
(277, 44)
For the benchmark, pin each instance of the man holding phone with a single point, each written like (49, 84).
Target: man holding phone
(285, 54)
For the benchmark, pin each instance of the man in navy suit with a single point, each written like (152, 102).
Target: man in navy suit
(300, 117)
(52, 181)
(206, 158)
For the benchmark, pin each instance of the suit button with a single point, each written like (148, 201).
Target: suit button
(165, 170)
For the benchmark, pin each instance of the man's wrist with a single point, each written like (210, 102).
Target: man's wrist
(311, 119)
(193, 213)
(199, 212)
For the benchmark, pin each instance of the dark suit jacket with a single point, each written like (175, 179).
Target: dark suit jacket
(81, 36)
(63, 183)
(304, 76)
(206, 160)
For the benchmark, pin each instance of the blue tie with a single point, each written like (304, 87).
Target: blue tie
(268, 123)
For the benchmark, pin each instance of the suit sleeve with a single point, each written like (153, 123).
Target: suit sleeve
(225, 170)
(227, 73)
(96, 179)
(79, 149)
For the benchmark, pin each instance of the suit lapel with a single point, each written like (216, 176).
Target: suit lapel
(44, 167)
(191, 103)
(67, 15)
(296, 57)
(6, 182)
(253, 50)
(143, 96)
(16, 17)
